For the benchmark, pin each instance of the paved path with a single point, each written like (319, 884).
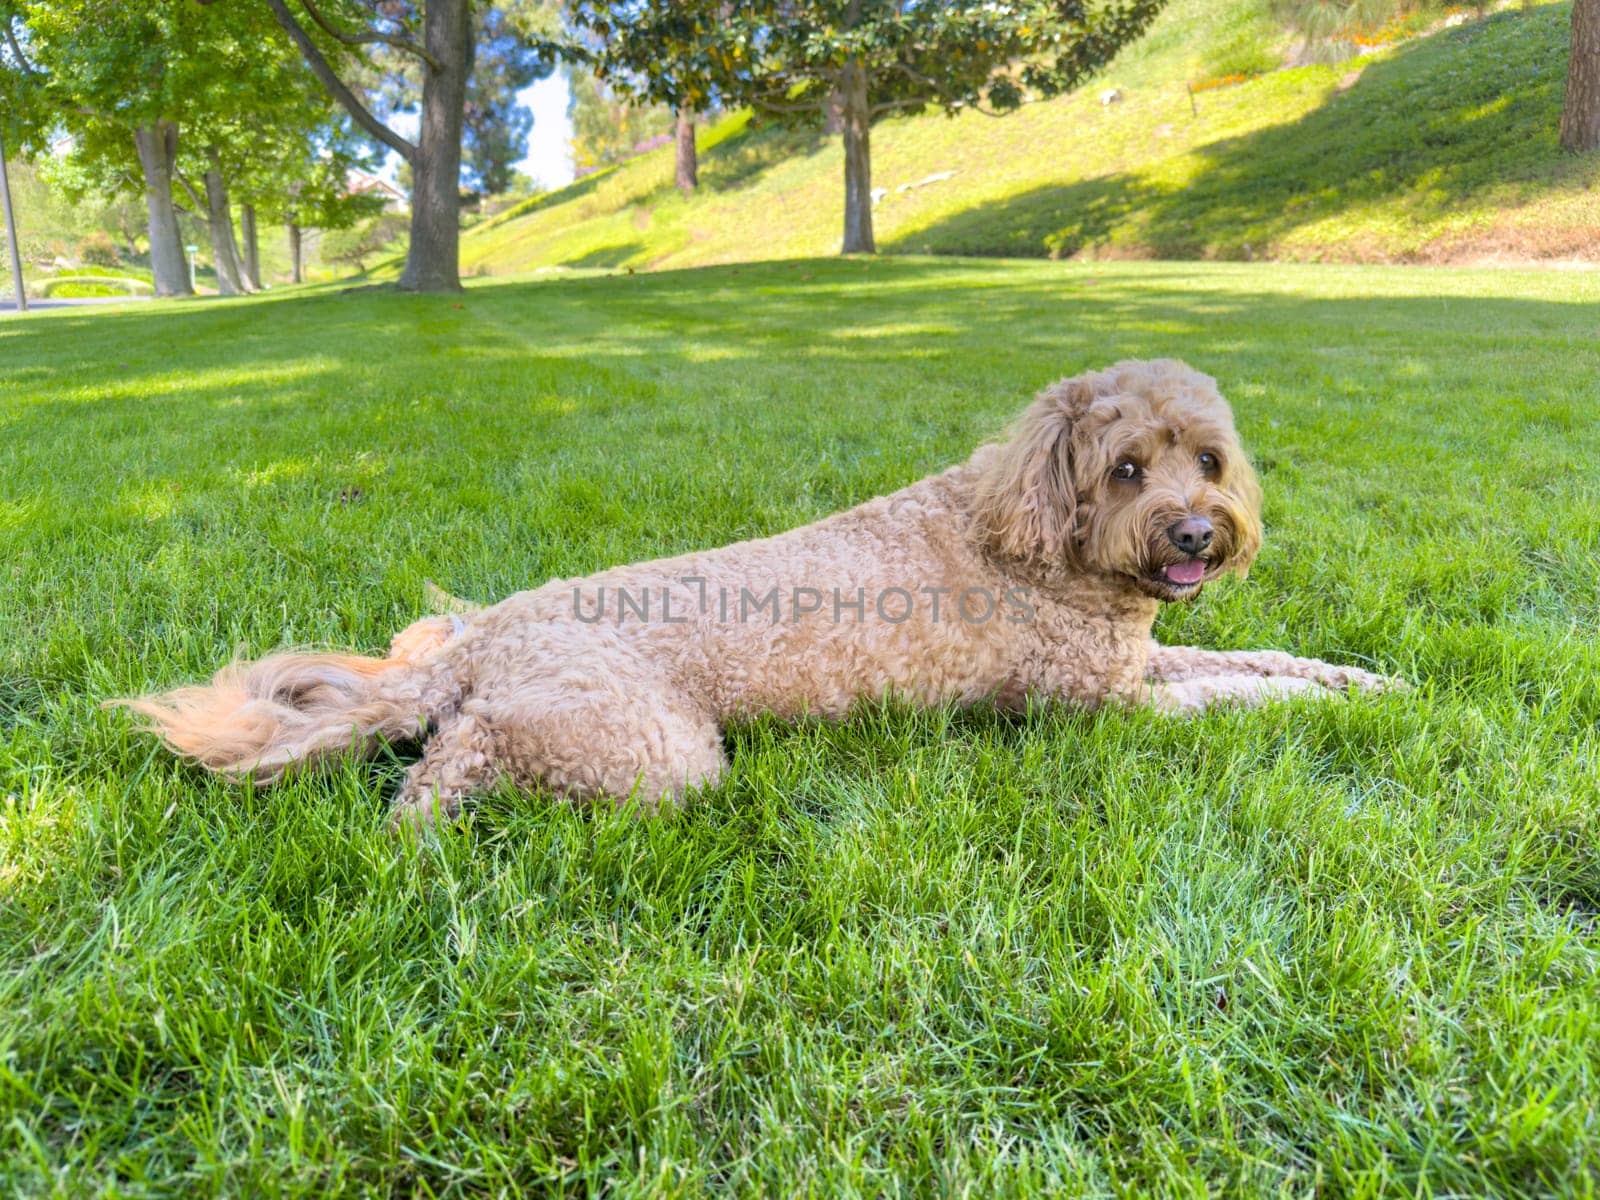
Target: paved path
(8, 302)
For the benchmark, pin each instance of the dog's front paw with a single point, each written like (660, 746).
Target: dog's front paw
(1347, 679)
(1191, 696)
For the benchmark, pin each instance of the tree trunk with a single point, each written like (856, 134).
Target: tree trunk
(833, 113)
(252, 247)
(295, 273)
(687, 175)
(158, 154)
(857, 160)
(1580, 118)
(433, 263)
(219, 222)
(11, 234)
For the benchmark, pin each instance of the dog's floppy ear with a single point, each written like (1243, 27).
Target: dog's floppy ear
(1245, 492)
(1024, 500)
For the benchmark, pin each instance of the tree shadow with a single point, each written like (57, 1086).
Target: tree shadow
(1441, 122)
(607, 256)
(737, 161)
(606, 338)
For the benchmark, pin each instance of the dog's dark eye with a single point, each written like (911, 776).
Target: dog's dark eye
(1126, 471)
(1209, 463)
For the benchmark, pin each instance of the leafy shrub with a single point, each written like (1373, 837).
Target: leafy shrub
(98, 250)
(110, 283)
(78, 291)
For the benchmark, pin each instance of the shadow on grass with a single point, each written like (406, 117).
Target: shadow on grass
(1439, 123)
(791, 313)
(738, 161)
(607, 256)
(932, 358)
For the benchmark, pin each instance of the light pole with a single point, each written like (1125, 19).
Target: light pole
(191, 250)
(11, 233)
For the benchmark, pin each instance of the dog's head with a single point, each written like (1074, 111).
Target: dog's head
(1134, 472)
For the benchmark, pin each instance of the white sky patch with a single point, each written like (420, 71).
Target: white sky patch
(549, 160)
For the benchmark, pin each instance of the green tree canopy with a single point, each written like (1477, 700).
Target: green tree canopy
(855, 61)
(121, 81)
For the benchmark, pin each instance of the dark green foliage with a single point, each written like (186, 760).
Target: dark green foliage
(846, 63)
(784, 57)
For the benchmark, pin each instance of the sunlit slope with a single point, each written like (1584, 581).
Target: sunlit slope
(1439, 148)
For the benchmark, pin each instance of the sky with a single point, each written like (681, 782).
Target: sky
(549, 160)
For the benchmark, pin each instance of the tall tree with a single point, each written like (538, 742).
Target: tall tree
(252, 245)
(1580, 116)
(296, 170)
(121, 80)
(265, 100)
(442, 47)
(434, 38)
(686, 158)
(214, 201)
(865, 59)
(304, 185)
(188, 91)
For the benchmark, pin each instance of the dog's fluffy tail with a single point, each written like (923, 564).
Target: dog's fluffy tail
(256, 720)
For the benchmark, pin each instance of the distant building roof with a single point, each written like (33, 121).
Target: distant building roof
(362, 183)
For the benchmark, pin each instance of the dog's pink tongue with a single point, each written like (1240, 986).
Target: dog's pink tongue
(1186, 572)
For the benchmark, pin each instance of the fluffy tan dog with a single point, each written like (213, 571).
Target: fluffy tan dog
(1032, 571)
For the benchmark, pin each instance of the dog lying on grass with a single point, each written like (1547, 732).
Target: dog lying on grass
(1033, 571)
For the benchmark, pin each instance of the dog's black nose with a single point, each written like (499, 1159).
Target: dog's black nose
(1191, 535)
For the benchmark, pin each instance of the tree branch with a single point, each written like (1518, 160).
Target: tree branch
(774, 106)
(336, 88)
(410, 45)
(33, 72)
(891, 105)
(194, 198)
(926, 81)
(16, 51)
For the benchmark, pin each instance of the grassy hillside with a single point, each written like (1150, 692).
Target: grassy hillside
(1344, 948)
(1440, 148)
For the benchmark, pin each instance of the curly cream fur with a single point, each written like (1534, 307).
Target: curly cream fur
(557, 686)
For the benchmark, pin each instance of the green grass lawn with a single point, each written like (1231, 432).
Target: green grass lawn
(1347, 947)
(1442, 148)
